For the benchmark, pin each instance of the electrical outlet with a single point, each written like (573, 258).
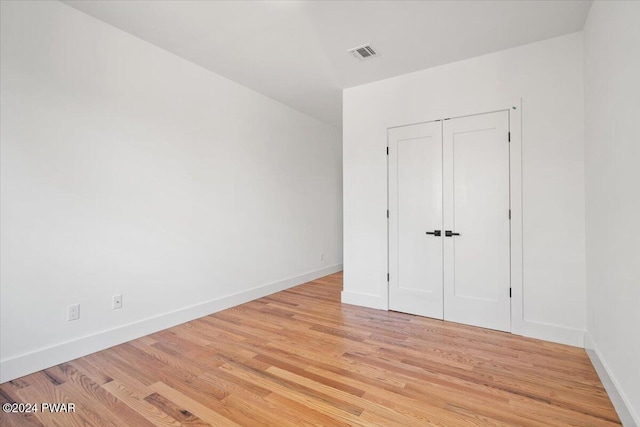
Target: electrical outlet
(73, 312)
(117, 301)
(322, 256)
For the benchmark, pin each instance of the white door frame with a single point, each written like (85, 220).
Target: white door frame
(514, 106)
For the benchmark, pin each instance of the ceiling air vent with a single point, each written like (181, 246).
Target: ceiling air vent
(363, 52)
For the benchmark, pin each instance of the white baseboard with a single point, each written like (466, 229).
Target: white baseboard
(549, 332)
(363, 300)
(45, 358)
(621, 403)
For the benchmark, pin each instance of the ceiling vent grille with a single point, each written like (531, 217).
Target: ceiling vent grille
(363, 52)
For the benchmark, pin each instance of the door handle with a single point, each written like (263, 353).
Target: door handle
(450, 233)
(435, 232)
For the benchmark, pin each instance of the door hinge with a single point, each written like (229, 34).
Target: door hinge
(387, 151)
(509, 136)
(387, 213)
(387, 277)
(509, 292)
(509, 213)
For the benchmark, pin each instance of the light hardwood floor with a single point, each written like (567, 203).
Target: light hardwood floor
(299, 357)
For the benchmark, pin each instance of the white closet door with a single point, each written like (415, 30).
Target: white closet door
(415, 208)
(476, 206)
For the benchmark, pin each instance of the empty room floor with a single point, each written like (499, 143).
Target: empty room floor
(300, 357)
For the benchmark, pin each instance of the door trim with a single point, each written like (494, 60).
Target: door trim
(514, 107)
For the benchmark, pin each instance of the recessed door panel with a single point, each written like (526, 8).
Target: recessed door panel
(415, 202)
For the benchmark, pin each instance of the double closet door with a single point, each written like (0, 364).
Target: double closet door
(449, 220)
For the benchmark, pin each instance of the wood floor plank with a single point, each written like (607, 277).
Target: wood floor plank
(87, 393)
(140, 405)
(201, 411)
(185, 417)
(42, 389)
(8, 395)
(300, 357)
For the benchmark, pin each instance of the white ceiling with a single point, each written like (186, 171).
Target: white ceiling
(295, 51)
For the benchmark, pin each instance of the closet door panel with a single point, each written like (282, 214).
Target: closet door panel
(415, 208)
(476, 207)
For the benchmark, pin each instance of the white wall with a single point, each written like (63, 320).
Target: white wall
(126, 169)
(547, 76)
(612, 112)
